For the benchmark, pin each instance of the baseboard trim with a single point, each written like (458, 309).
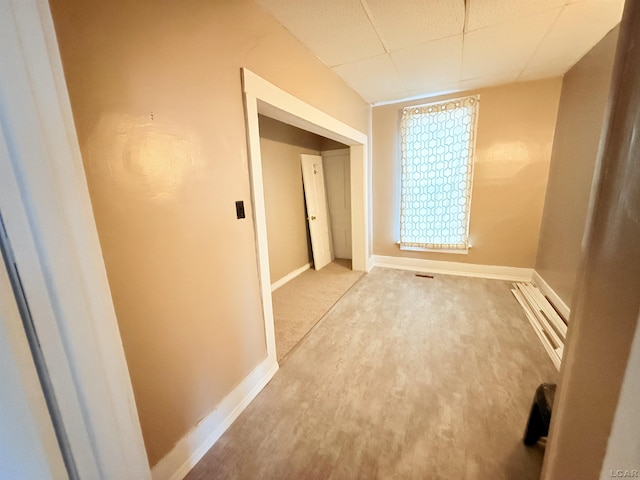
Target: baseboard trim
(495, 272)
(553, 297)
(192, 447)
(371, 262)
(289, 276)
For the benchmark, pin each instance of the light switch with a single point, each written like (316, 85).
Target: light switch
(240, 209)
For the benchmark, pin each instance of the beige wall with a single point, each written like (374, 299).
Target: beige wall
(604, 315)
(157, 101)
(281, 146)
(328, 144)
(585, 90)
(513, 149)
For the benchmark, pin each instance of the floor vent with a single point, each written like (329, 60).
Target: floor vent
(544, 319)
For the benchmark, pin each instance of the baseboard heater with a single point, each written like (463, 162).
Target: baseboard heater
(548, 325)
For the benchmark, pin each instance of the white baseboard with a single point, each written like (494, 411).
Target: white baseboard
(192, 447)
(496, 272)
(371, 262)
(562, 307)
(289, 276)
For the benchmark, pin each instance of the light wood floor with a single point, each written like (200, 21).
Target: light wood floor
(406, 377)
(300, 303)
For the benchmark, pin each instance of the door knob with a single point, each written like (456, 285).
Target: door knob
(313, 217)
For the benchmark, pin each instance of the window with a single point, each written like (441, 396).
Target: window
(438, 141)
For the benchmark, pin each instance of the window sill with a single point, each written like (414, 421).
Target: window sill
(435, 250)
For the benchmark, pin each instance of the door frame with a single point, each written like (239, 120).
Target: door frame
(48, 217)
(326, 154)
(264, 98)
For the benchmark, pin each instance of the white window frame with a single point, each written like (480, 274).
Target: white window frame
(409, 159)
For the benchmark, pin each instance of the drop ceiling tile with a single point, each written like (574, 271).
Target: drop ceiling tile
(337, 31)
(430, 64)
(490, 80)
(505, 47)
(437, 91)
(375, 79)
(410, 22)
(540, 73)
(482, 13)
(578, 28)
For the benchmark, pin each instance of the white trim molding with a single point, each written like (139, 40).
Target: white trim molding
(550, 293)
(192, 447)
(48, 218)
(289, 276)
(515, 274)
(275, 103)
(371, 262)
(335, 153)
(264, 98)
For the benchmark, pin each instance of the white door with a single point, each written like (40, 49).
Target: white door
(317, 213)
(28, 445)
(337, 177)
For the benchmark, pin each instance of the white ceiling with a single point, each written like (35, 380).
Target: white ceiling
(391, 50)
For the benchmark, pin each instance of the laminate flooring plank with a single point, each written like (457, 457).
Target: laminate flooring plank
(405, 378)
(301, 302)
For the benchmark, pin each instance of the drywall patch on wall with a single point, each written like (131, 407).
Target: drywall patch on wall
(146, 154)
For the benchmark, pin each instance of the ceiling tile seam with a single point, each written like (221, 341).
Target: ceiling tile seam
(421, 96)
(422, 44)
(511, 20)
(372, 20)
(535, 51)
(304, 45)
(466, 16)
(348, 84)
(363, 59)
(464, 38)
(402, 79)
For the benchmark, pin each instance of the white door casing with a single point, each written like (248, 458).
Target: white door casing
(263, 97)
(47, 212)
(337, 178)
(317, 213)
(28, 445)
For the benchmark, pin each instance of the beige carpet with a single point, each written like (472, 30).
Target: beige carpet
(405, 378)
(300, 303)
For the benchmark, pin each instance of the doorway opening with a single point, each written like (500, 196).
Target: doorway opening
(264, 98)
(306, 180)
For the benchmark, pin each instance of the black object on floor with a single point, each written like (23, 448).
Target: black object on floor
(540, 416)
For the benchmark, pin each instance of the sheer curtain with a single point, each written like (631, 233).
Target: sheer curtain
(438, 143)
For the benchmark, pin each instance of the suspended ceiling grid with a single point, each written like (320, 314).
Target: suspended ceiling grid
(391, 50)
